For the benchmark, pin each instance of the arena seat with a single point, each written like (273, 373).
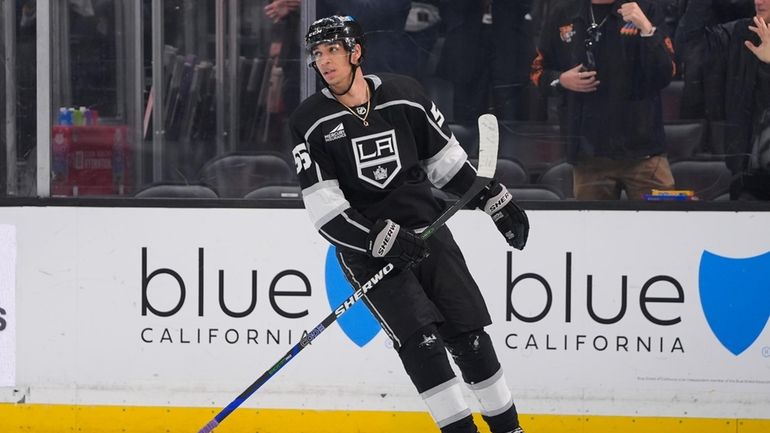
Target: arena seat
(237, 174)
(684, 139)
(671, 100)
(167, 190)
(509, 172)
(534, 193)
(559, 176)
(536, 145)
(275, 192)
(709, 179)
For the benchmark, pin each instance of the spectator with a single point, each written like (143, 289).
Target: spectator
(285, 14)
(486, 45)
(701, 89)
(738, 56)
(279, 9)
(423, 26)
(608, 61)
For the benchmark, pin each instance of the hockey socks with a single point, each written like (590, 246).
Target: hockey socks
(424, 357)
(475, 356)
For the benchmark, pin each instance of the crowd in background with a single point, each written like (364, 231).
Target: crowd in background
(472, 57)
(481, 53)
(706, 67)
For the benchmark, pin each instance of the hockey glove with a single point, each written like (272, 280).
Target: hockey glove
(399, 246)
(509, 218)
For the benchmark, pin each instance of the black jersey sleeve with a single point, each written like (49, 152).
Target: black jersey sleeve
(442, 157)
(329, 209)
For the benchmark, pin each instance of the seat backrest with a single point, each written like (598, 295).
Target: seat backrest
(709, 179)
(559, 176)
(718, 133)
(534, 193)
(684, 139)
(508, 172)
(235, 175)
(537, 145)
(275, 192)
(176, 191)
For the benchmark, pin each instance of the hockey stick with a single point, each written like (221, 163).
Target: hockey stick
(488, 141)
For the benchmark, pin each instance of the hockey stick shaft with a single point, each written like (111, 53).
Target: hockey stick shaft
(488, 140)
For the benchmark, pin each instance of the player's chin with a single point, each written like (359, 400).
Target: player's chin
(337, 84)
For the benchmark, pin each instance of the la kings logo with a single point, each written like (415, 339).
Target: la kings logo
(377, 160)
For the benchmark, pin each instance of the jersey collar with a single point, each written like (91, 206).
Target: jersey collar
(373, 79)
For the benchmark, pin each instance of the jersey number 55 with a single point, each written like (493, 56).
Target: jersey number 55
(301, 157)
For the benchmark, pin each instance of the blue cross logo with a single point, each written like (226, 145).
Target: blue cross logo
(735, 296)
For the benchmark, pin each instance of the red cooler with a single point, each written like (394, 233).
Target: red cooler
(90, 160)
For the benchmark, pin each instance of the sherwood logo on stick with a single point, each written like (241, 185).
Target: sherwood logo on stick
(357, 323)
(359, 293)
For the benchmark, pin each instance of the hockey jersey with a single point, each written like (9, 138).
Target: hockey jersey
(352, 174)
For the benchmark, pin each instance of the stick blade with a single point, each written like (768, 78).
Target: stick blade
(489, 138)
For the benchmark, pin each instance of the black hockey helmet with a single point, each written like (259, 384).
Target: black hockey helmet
(335, 28)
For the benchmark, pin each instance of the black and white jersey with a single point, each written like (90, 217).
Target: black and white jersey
(351, 174)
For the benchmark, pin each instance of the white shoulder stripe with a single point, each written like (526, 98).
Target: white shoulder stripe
(324, 119)
(418, 106)
(376, 81)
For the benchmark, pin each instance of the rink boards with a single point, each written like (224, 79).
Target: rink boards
(146, 319)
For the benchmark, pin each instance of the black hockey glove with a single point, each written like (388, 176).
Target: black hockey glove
(399, 246)
(509, 218)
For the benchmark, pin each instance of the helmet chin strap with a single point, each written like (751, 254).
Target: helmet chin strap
(354, 67)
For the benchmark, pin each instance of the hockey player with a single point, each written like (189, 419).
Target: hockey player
(368, 150)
